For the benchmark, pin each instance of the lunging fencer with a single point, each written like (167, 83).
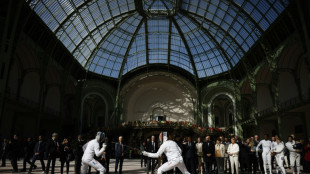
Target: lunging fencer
(174, 155)
(266, 153)
(278, 150)
(93, 148)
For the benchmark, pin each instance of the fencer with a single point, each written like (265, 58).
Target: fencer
(266, 153)
(278, 149)
(294, 154)
(174, 156)
(92, 149)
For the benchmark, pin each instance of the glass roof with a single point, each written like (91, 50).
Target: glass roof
(114, 37)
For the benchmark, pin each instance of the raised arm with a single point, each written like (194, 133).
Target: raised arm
(159, 152)
(98, 151)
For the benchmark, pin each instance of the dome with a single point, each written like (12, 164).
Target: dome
(114, 37)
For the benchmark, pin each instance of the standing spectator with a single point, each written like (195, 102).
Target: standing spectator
(199, 155)
(78, 153)
(107, 154)
(38, 150)
(226, 159)
(190, 151)
(252, 156)
(4, 152)
(14, 147)
(244, 156)
(143, 158)
(65, 155)
(152, 147)
(306, 166)
(219, 156)
(208, 148)
(278, 154)
(294, 154)
(273, 144)
(260, 153)
(233, 152)
(120, 151)
(28, 150)
(52, 150)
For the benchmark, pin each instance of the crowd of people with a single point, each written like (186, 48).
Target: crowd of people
(200, 155)
(234, 155)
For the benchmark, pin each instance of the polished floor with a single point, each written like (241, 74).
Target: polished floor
(131, 166)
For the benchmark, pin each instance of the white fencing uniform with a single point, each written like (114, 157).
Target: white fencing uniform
(266, 154)
(234, 161)
(294, 156)
(174, 156)
(279, 150)
(91, 150)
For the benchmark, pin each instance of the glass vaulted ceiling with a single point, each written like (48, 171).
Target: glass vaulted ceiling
(113, 37)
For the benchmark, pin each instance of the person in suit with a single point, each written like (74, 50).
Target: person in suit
(77, 147)
(52, 150)
(189, 155)
(28, 149)
(107, 154)
(208, 149)
(65, 155)
(4, 152)
(178, 140)
(143, 158)
(39, 149)
(14, 147)
(152, 147)
(120, 151)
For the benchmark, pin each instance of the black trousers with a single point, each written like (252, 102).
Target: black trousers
(3, 158)
(62, 164)
(119, 161)
(14, 163)
(151, 164)
(260, 161)
(107, 164)
(77, 165)
(34, 158)
(208, 166)
(244, 162)
(272, 161)
(190, 164)
(26, 160)
(143, 160)
(253, 163)
(50, 159)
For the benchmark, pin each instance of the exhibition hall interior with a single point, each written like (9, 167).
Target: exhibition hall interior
(140, 67)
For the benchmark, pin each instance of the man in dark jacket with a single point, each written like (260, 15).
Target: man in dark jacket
(189, 155)
(208, 149)
(78, 153)
(4, 151)
(39, 149)
(14, 147)
(28, 150)
(152, 147)
(120, 152)
(107, 154)
(52, 150)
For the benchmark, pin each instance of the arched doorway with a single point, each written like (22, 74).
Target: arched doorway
(93, 112)
(222, 109)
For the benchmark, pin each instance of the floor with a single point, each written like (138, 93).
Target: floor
(131, 166)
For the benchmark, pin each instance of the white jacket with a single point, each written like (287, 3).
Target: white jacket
(170, 148)
(266, 145)
(289, 146)
(278, 149)
(234, 149)
(221, 148)
(92, 149)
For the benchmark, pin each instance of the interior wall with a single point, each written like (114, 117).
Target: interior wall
(13, 79)
(304, 78)
(53, 98)
(287, 86)
(158, 91)
(30, 88)
(264, 99)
